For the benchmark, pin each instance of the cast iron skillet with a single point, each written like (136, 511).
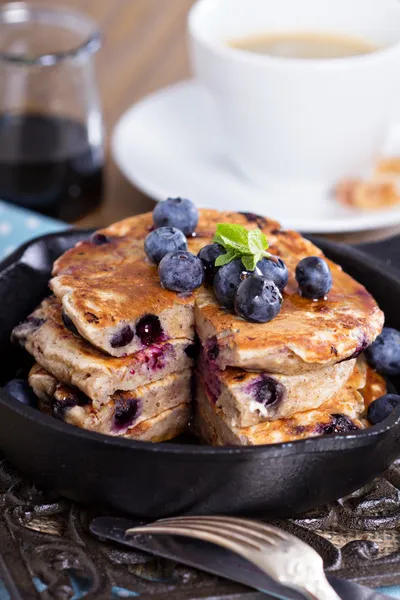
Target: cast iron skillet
(155, 480)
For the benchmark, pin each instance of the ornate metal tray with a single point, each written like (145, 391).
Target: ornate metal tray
(48, 552)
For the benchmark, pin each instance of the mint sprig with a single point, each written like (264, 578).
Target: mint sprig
(238, 242)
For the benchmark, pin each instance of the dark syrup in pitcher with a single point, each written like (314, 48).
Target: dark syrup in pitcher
(48, 165)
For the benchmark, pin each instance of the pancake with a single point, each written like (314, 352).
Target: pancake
(157, 409)
(111, 293)
(374, 387)
(249, 398)
(344, 413)
(73, 361)
(306, 334)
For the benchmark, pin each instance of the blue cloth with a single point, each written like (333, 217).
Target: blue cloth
(393, 591)
(17, 226)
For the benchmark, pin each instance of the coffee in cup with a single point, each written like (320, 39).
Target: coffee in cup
(302, 119)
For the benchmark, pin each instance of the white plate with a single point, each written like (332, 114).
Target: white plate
(170, 144)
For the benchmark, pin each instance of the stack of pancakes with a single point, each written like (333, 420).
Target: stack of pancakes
(143, 396)
(115, 352)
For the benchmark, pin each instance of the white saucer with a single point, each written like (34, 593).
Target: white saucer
(170, 144)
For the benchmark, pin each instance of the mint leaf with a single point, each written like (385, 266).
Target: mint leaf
(236, 233)
(218, 239)
(232, 236)
(227, 243)
(257, 241)
(238, 242)
(224, 259)
(249, 261)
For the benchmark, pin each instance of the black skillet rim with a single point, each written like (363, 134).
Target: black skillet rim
(334, 442)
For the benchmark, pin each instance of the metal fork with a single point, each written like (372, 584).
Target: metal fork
(280, 555)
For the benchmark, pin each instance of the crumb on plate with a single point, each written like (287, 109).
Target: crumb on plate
(372, 194)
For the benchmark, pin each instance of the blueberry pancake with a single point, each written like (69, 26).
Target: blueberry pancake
(73, 361)
(248, 398)
(112, 293)
(344, 413)
(306, 334)
(155, 412)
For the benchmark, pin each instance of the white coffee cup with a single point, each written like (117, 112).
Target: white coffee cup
(293, 121)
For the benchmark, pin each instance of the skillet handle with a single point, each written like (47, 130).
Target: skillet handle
(387, 250)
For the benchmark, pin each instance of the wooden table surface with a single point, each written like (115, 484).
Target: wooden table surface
(144, 49)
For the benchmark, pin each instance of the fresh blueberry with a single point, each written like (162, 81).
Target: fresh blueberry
(176, 212)
(227, 280)
(208, 255)
(258, 299)
(181, 272)
(381, 408)
(384, 354)
(68, 323)
(21, 391)
(275, 271)
(122, 338)
(314, 277)
(163, 240)
(149, 330)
